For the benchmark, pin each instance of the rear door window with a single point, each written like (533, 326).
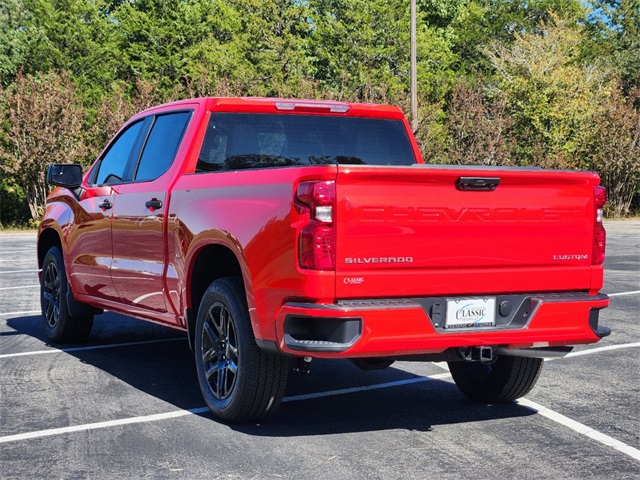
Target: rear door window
(162, 145)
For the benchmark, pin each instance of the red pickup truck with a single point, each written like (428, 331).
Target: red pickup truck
(276, 231)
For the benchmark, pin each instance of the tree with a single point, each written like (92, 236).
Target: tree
(478, 23)
(614, 149)
(361, 46)
(114, 110)
(552, 95)
(274, 36)
(616, 25)
(74, 36)
(42, 124)
(13, 204)
(479, 129)
(14, 39)
(360, 50)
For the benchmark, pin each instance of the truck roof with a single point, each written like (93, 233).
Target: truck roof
(282, 105)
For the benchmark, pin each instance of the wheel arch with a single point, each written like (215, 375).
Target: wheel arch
(59, 215)
(209, 263)
(47, 238)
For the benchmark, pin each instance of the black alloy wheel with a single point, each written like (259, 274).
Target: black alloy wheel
(52, 295)
(220, 351)
(59, 324)
(239, 381)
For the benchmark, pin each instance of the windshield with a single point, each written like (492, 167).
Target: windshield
(236, 141)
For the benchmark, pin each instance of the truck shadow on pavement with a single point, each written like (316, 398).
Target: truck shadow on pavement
(414, 407)
(165, 370)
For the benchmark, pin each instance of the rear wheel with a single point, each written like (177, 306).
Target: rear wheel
(239, 381)
(504, 380)
(60, 326)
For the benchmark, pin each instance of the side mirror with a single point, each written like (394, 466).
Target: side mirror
(67, 175)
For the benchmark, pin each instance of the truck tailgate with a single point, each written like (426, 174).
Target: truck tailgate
(404, 231)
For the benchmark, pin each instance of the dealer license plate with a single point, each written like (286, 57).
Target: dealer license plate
(470, 313)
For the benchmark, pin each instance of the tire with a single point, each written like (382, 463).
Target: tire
(239, 381)
(505, 380)
(59, 325)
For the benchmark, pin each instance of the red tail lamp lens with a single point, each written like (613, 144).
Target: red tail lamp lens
(599, 233)
(317, 239)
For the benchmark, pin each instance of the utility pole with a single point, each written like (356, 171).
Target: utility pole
(414, 70)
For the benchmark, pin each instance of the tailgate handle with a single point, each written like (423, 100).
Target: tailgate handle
(478, 183)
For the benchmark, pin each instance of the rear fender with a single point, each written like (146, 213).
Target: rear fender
(226, 241)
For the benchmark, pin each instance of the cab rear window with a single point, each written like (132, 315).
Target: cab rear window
(237, 141)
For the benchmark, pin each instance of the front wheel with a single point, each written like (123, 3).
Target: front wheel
(504, 380)
(59, 325)
(239, 381)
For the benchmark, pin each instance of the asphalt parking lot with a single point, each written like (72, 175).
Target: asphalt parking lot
(127, 404)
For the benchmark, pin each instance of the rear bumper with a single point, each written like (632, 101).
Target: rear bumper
(388, 328)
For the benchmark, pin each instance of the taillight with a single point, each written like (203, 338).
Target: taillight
(317, 239)
(599, 234)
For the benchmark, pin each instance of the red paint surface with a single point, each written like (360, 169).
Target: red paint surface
(533, 234)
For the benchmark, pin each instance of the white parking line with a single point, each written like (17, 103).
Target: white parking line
(28, 312)
(545, 412)
(95, 426)
(345, 391)
(602, 349)
(19, 271)
(93, 347)
(18, 288)
(574, 425)
(623, 293)
(591, 351)
(581, 429)
(182, 413)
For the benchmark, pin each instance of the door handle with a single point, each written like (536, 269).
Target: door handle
(105, 205)
(153, 204)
